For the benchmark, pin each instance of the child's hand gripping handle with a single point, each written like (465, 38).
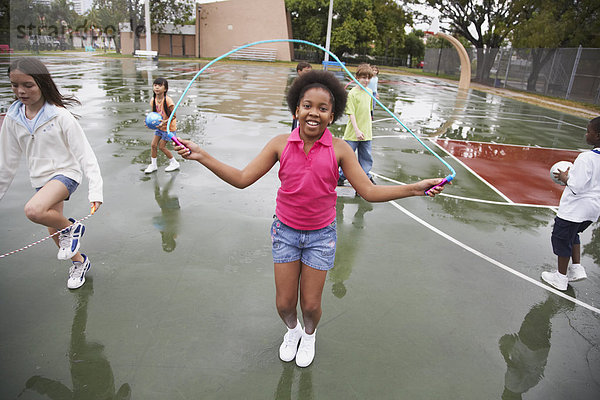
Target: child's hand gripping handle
(439, 185)
(177, 142)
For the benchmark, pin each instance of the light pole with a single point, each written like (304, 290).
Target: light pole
(147, 21)
(328, 39)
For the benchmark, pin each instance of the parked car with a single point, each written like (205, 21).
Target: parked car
(45, 42)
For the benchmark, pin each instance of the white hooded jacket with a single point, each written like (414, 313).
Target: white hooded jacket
(55, 145)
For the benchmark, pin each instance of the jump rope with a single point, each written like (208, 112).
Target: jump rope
(172, 136)
(49, 236)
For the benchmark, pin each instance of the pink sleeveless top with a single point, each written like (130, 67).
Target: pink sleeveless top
(307, 196)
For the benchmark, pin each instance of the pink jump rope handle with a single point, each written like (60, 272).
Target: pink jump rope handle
(442, 183)
(177, 142)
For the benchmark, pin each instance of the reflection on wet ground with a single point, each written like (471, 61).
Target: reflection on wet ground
(183, 303)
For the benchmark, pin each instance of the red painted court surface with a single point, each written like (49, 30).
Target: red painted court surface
(520, 173)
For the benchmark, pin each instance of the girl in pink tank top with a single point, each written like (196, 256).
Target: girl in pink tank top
(303, 231)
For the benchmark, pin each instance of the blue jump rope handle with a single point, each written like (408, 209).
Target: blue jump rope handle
(442, 183)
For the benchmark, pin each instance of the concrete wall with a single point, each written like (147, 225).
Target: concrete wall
(224, 25)
(167, 44)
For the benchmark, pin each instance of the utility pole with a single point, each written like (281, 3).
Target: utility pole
(147, 22)
(328, 40)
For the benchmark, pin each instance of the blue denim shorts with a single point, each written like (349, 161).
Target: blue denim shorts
(68, 182)
(315, 248)
(163, 134)
(565, 234)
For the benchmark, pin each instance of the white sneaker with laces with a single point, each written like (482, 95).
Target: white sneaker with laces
(556, 279)
(69, 240)
(77, 273)
(306, 350)
(173, 165)
(151, 168)
(576, 272)
(287, 350)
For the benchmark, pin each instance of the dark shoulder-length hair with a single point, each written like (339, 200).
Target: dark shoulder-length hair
(37, 70)
(165, 83)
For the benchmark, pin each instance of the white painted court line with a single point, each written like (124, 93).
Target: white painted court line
(492, 261)
(475, 200)
(473, 172)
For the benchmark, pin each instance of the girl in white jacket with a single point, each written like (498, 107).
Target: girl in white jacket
(57, 151)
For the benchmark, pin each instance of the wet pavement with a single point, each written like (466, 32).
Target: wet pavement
(179, 302)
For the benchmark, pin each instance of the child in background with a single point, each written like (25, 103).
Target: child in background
(359, 133)
(56, 150)
(373, 85)
(303, 232)
(162, 104)
(302, 68)
(579, 207)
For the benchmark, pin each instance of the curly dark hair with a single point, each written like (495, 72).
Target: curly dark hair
(595, 125)
(321, 79)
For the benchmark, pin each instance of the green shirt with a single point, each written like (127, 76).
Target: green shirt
(359, 104)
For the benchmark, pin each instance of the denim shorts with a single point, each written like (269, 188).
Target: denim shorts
(163, 134)
(68, 182)
(315, 248)
(565, 234)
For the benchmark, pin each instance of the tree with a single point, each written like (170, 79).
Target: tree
(367, 26)
(391, 19)
(574, 23)
(414, 46)
(108, 14)
(484, 23)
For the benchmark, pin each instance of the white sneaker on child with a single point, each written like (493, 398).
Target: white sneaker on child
(150, 168)
(576, 272)
(77, 273)
(556, 279)
(173, 165)
(287, 350)
(69, 240)
(306, 350)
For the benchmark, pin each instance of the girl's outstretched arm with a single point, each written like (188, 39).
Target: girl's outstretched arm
(378, 193)
(245, 177)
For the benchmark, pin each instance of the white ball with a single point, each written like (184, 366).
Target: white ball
(562, 166)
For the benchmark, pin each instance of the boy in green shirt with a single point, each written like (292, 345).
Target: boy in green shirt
(359, 133)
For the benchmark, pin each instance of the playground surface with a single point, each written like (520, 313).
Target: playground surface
(429, 298)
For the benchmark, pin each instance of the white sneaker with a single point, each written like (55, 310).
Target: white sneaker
(306, 350)
(556, 279)
(69, 240)
(287, 350)
(150, 169)
(173, 165)
(77, 273)
(576, 272)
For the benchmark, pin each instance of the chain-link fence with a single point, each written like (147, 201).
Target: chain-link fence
(568, 73)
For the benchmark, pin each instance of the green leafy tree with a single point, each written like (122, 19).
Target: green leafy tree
(486, 24)
(391, 19)
(309, 19)
(574, 23)
(414, 46)
(355, 28)
(366, 26)
(31, 17)
(113, 12)
(107, 14)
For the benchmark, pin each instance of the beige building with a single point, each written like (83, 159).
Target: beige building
(223, 25)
